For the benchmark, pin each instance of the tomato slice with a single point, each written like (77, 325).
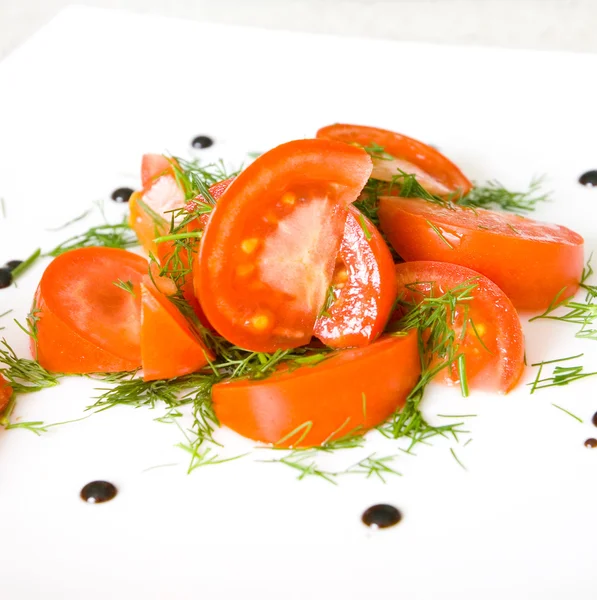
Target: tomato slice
(436, 173)
(168, 346)
(364, 287)
(529, 260)
(86, 323)
(352, 390)
(487, 327)
(5, 393)
(152, 166)
(267, 256)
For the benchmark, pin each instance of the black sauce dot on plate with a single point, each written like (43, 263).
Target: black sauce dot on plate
(122, 194)
(5, 277)
(201, 142)
(11, 265)
(380, 516)
(591, 443)
(595, 419)
(589, 178)
(98, 491)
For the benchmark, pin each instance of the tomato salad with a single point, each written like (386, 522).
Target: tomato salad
(317, 291)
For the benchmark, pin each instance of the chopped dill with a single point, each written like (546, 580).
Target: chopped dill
(439, 234)
(20, 269)
(457, 459)
(560, 375)
(119, 235)
(23, 374)
(568, 413)
(127, 286)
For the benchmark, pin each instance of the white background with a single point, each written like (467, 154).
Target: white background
(540, 24)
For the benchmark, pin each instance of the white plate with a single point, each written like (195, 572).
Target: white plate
(79, 104)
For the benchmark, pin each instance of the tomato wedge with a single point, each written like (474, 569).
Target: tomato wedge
(436, 173)
(168, 346)
(487, 327)
(85, 323)
(267, 257)
(352, 390)
(152, 166)
(529, 260)
(5, 393)
(364, 287)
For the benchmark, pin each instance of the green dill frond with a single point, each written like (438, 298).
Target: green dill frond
(119, 235)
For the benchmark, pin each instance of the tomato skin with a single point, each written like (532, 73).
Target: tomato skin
(5, 393)
(292, 203)
(424, 158)
(85, 323)
(497, 361)
(365, 300)
(329, 395)
(168, 346)
(530, 261)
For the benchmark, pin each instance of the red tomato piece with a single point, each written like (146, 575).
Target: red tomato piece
(364, 285)
(267, 257)
(86, 323)
(5, 393)
(436, 173)
(493, 344)
(153, 166)
(168, 346)
(529, 260)
(352, 390)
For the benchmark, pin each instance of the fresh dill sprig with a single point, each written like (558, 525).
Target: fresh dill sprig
(72, 221)
(119, 235)
(127, 286)
(568, 412)
(304, 462)
(560, 375)
(457, 459)
(579, 313)
(20, 269)
(493, 195)
(372, 465)
(23, 374)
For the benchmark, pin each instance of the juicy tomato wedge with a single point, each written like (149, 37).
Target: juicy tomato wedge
(267, 257)
(5, 393)
(530, 261)
(168, 346)
(152, 166)
(487, 328)
(85, 322)
(352, 390)
(436, 173)
(178, 264)
(364, 287)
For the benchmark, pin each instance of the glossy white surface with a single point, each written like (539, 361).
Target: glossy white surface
(80, 103)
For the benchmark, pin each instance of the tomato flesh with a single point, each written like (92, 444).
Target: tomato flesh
(436, 173)
(351, 391)
(168, 346)
(5, 393)
(153, 166)
(85, 322)
(487, 327)
(267, 256)
(364, 285)
(529, 260)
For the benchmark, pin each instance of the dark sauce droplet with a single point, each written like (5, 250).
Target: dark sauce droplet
(591, 443)
(122, 194)
(589, 178)
(11, 265)
(595, 419)
(98, 491)
(201, 142)
(5, 277)
(380, 516)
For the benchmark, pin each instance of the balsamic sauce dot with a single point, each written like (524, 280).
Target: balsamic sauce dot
(595, 419)
(98, 491)
(5, 277)
(591, 443)
(11, 265)
(589, 178)
(380, 516)
(122, 194)
(201, 142)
